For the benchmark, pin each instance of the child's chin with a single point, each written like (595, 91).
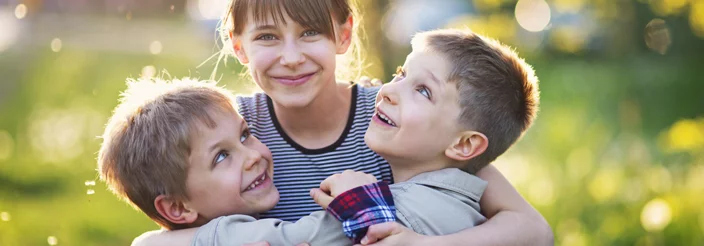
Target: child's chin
(272, 199)
(374, 142)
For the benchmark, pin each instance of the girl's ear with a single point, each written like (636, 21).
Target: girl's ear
(344, 36)
(239, 50)
(468, 145)
(174, 211)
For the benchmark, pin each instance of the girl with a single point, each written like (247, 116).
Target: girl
(315, 125)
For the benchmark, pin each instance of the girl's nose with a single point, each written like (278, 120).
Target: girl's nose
(291, 55)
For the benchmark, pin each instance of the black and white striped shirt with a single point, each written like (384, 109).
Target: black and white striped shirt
(297, 169)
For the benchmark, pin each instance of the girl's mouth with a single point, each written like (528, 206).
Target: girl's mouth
(294, 80)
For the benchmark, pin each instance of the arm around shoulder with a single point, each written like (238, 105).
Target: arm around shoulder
(165, 238)
(512, 220)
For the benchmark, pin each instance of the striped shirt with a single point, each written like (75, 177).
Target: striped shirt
(297, 169)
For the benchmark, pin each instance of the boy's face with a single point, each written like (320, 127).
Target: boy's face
(417, 112)
(229, 170)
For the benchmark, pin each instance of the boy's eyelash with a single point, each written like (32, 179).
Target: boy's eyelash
(425, 88)
(400, 72)
(246, 133)
(215, 160)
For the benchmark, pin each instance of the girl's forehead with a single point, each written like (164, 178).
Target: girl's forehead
(314, 14)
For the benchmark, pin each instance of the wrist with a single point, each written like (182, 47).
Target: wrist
(429, 240)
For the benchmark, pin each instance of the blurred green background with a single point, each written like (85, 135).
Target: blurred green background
(616, 156)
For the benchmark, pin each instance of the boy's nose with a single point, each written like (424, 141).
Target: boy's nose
(388, 94)
(253, 157)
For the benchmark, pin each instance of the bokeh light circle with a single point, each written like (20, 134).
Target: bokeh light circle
(533, 15)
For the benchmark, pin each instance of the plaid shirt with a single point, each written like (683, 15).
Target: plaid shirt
(362, 207)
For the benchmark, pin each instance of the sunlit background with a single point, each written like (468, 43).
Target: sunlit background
(616, 156)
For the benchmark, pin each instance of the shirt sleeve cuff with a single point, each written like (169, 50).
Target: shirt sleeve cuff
(362, 207)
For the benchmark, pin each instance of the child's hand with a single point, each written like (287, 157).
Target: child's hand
(337, 184)
(365, 81)
(347, 180)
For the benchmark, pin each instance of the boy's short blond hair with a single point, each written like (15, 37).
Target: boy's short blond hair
(498, 90)
(146, 143)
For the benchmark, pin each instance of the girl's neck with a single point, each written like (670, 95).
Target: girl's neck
(320, 123)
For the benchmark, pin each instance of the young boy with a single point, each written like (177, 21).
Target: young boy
(179, 152)
(460, 101)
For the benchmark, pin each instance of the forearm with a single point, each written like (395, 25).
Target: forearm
(505, 228)
(512, 220)
(319, 228)
(363, 206)
(165, 238)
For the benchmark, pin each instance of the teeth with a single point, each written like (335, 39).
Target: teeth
(256, 183)
(383, 117)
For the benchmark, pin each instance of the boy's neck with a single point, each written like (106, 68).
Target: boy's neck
(319, 122)
(403, 170)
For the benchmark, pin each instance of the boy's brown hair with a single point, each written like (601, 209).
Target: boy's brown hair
(146, 143)
(498, 91)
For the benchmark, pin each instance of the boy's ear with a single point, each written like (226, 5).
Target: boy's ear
(237, 47)
(468, 145)
(174, 211)
(345, 36)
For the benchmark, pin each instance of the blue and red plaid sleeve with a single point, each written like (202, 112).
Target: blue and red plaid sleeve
(362, 207)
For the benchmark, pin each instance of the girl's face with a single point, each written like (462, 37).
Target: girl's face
(290, 63)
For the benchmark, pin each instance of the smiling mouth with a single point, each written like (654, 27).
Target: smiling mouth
(258, 181)
(295, 77)
(383, 118)
(294, 80)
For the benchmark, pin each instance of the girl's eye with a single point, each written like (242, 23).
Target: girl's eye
(424, 91)
(220, 157)
(266, 37)
(310, 33)
(245, 135)
(400, 73)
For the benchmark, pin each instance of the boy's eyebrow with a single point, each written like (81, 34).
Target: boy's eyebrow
(433, 78)
(243, 124)
(214, 146)
(262, 28)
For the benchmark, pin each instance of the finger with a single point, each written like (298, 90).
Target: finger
(377, 82)
(379, 231)
(327, 183)
(257, 244)
(303, 244)
(364, 79)
(321, 198)
(367, 240)
(372, 178)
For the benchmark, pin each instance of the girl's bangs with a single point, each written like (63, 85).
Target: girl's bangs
(310, 14)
